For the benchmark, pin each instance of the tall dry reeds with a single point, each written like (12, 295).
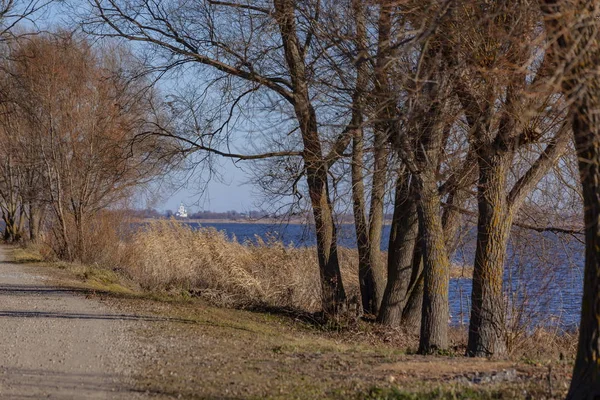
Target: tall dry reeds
(167, 255)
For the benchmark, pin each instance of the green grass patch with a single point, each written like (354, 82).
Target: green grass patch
(25, 256)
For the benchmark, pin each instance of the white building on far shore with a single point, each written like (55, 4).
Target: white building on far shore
(181, 211)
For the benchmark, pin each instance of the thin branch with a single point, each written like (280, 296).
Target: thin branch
(241, 6)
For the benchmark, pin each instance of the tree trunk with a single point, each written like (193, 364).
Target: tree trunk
(12, 230)
(376, 219)
(34, 223)
(487, 323)
(403, 236)
(333, 294)
(385, 105)
(436, 264)
(365, 274)
(411, 315)
(586, 127)
(20, 222)
(436, 267)
(8, 226)
(579, 38)
(80, 250)
(332, 290)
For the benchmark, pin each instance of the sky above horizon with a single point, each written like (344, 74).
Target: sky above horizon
(230, 190)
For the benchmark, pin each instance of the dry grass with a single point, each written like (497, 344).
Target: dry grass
(167, 255)
(543, 344)
(104, 242)
(170, 257)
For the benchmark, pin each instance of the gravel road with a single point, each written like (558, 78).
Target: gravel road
(56, 343)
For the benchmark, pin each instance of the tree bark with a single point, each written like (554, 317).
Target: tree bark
(574, 28)
(332, 290)
(411, 315)
(403, 236)
(586, 127)
(34, 222)
(436, 268)
(368, 236)
(429, 135)
(385, 105)
(365, 275)
(487, 323)
(376, 219)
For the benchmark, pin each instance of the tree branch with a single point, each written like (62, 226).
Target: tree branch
(186, 48)
(539, 168)
(242, 6)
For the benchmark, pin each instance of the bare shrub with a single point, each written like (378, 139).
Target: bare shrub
(106, 236)
(543, 344)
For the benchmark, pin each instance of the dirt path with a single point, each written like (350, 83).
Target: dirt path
(57, 344)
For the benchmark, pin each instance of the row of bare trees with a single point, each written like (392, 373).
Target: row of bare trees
(459, 107)
(450, 105)
(69, 115)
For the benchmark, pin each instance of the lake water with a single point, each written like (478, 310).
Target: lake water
(543, 274)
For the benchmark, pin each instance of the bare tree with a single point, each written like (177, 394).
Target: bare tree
(274, 52)
(81, 117)
(572, 29)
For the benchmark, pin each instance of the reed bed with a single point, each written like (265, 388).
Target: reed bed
(167, 255)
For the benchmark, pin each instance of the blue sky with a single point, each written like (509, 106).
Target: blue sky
(230, 193)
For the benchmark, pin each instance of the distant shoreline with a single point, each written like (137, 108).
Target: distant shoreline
(266, 221)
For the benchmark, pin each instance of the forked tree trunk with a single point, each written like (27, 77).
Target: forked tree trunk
(487, 323)
(403, 236)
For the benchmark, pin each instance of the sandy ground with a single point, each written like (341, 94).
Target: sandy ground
(57, 344)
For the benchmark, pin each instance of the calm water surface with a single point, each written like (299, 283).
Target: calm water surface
(543, 274)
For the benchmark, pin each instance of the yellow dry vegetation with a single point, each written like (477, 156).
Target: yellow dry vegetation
(167, 255)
